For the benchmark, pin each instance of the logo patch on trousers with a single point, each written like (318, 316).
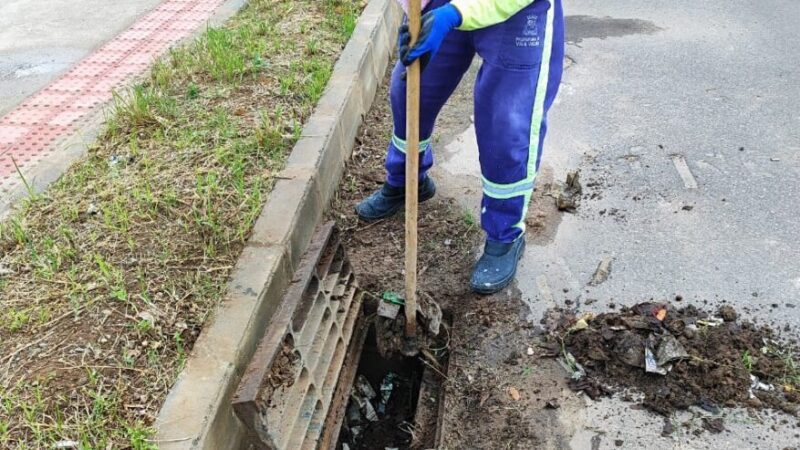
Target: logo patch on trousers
(530, 34)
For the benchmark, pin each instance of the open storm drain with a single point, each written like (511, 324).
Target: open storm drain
(394, 401)
(318, 379)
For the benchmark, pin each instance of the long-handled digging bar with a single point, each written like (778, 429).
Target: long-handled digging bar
(410, 344)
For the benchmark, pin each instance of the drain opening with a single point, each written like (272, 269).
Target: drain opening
(394, 401)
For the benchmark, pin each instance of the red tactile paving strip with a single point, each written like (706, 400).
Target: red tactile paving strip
(28, 133)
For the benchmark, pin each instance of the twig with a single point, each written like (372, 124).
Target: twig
(59, 318)
(424, 361)
(87, 366)
(430, 357)
(365, 227)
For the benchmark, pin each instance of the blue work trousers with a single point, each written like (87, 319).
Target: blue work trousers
(516, 85)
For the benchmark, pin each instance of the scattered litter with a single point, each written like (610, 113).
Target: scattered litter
(393, 297)
(361, 395)
(569, 198)
(364, 388)
(448, 242)
(92, 209)
(389, 306)
(650, 364)
(369, 412)
(757, 385)
(530, 351)
(774, 159)
(572, 366)
(711, 322)
(669, 350)
(387, 386)
(67, 444)
(345, 446)
(432, 313)
(629, 347)
(581, 324)
(513, 393)
(602, 272)
(552, 404)
(354, 412)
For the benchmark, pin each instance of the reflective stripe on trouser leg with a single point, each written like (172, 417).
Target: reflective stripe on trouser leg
(438, 81)
(515, 87)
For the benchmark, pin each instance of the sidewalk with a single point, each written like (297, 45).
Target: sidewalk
(60, 65)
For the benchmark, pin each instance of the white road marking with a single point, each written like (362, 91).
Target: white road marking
(683, 170)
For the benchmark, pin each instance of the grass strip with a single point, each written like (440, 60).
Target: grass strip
(107, 278)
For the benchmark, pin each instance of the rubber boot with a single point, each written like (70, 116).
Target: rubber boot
(388, 200)
(497, 266)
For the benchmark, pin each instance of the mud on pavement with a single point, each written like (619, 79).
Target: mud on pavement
(668, 359)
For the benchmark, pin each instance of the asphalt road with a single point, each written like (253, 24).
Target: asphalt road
(41, 39)
(649, 87)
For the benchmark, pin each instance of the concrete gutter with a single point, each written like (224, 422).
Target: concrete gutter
(197, 413)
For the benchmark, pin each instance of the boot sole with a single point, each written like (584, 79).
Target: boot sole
(495, 288)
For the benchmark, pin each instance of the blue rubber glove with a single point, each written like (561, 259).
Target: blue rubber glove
(435, 26)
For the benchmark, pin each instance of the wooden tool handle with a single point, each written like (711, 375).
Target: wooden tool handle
(412, 171)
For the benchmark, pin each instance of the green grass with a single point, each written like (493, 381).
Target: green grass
(747, 361)
(113, 271)
(469, 219)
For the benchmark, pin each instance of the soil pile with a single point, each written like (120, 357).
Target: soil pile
(677, 358)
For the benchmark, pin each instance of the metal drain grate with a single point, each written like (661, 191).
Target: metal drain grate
(286, 392)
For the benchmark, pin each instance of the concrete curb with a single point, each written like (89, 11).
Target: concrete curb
(197, 412)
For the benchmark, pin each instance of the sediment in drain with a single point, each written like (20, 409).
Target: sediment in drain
(397, 423)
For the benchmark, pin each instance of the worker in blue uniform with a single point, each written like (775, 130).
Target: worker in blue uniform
(521, 44)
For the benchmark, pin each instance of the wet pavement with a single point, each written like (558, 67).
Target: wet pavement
(682, 119)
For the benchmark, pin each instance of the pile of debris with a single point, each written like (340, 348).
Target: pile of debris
(676, 358)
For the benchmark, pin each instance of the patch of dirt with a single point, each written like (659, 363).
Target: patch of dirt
(570, 197)
(283, 371)
(543, 214)
(707, 359)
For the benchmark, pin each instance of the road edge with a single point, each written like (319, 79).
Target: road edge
(197, 413)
